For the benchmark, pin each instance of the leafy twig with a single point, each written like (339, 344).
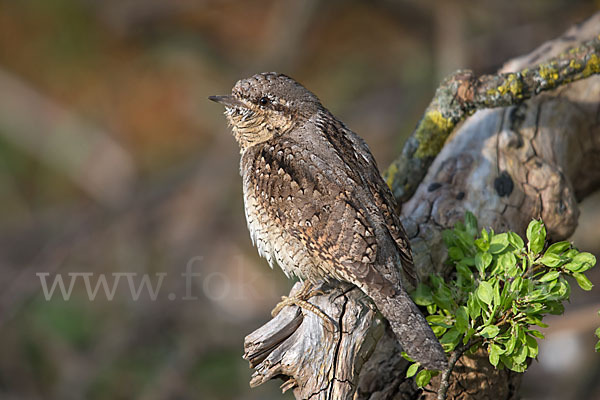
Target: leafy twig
(505, 302)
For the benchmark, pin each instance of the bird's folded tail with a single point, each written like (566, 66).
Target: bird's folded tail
(411, 328)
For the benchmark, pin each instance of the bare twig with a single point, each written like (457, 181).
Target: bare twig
(445, 381)
(447, 373)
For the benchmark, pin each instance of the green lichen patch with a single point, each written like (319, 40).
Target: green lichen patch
(432, 133)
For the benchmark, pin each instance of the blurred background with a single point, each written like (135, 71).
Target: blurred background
(113, 161)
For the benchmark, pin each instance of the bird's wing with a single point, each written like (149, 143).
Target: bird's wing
(333, 200)
(379, 193)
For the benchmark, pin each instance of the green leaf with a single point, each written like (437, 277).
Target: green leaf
(470, 223)
(536, 334)
(520, 354)
(465, 275)
(558, 247)
(442, 296)
(562, 290)
(450, 339)
(513, 271)
(489, 331)
(510, 364)
(597, 333)
(574, 267)
(494, 354)
(436, 281)
(422, 295)
(468, 335)
(583, 281)
(499, 243)
(571, 253)
(585, 258)
(485, 292)
(534, 319)
(485, 235)
(488, 315)
(440, 320)
(412, 370)
(555, 307)
(464, 240)
(512, 342)
(406, 357)
(550, 276)
(497, 299)
(423, 377)
(473, 307)
(482, 261)
(532, 346)
(536, 235)
(449, 237)
(516, 284)
(515, 240)
(462, 319)
(455, 253)
(507, 297)
(483, 243)
(508, 261)
(438, 330)
(468, 261)
(551, 260)
(582, 262)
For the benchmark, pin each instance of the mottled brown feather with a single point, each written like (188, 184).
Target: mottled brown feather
(317, 206)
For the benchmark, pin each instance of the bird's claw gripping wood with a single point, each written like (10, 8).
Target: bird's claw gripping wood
(300, 299)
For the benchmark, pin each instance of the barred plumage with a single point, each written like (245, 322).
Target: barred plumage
(317, 206)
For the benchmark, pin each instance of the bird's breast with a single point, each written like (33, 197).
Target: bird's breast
(269, 232)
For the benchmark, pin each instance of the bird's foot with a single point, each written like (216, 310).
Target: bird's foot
(300, 299)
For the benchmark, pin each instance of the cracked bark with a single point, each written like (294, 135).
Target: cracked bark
(536, 159)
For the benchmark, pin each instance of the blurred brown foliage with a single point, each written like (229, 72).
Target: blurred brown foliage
(112, 160)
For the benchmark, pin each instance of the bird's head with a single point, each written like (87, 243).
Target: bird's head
(266, 105)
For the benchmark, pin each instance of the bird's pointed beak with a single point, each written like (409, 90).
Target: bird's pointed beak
(227, 101)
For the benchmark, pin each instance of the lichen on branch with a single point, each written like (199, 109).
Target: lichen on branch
(461, 94)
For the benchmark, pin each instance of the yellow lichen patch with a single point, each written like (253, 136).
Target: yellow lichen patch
(390, 174)
(592, 66)
(549, 73)
(512, 84)
(432, 133)
(574, 64)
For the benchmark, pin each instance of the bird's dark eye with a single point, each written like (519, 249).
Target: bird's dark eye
(264, 101)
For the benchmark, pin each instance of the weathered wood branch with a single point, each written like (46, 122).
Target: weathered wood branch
(462, 93)
(533, 159)
(307, 354)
